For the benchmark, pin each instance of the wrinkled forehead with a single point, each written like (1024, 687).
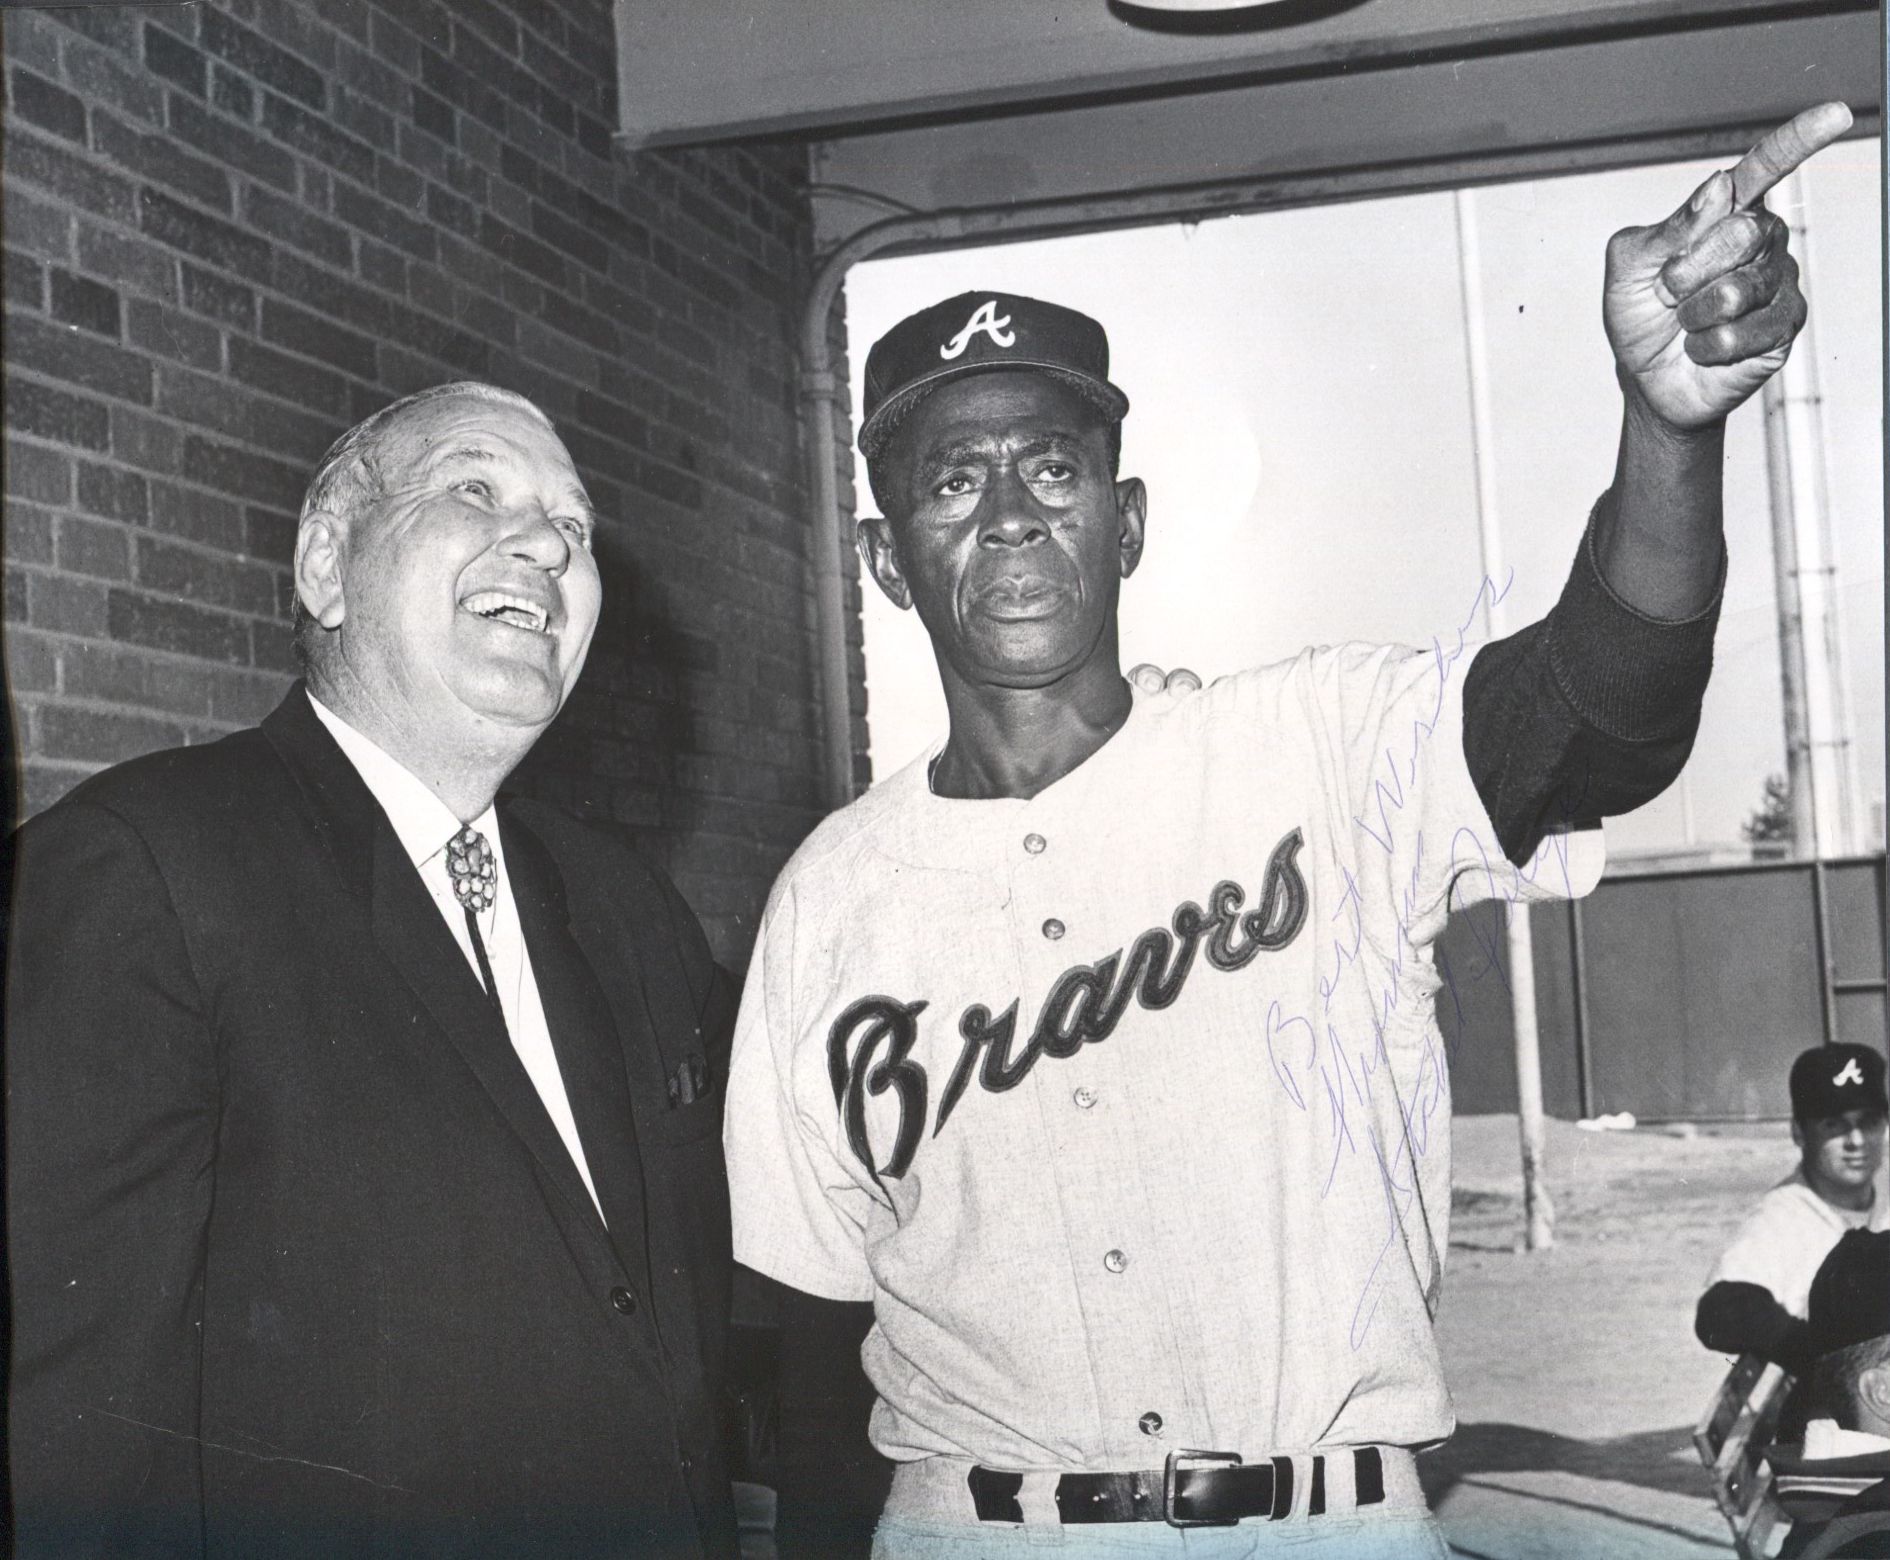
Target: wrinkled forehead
(471, 430)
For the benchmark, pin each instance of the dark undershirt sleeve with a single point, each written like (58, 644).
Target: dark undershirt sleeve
(1588, 713)
(831, 1482)
(1734, 1318)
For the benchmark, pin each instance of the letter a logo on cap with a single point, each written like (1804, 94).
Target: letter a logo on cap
(984, 318)
(1852, 1073)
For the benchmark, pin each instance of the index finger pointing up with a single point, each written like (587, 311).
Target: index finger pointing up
(1785, 148)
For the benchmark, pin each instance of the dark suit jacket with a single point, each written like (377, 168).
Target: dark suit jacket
(300, 1264)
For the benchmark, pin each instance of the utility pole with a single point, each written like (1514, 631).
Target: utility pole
(1791, 634)
(1820, 757)
(1538, 1205)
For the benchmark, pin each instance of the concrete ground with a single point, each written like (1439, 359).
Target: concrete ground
(1576, 1375)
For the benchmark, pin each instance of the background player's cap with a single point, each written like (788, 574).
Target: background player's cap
(977, 331)
(1829, 1080)
(1850, 1295)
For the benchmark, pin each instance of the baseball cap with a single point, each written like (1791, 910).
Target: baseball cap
(1829, 1080)
(1850, 1294)
(974, 332)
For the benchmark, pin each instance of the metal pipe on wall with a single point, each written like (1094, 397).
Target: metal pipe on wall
(820, 401)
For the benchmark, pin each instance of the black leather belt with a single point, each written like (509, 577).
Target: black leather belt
(1192, 1489)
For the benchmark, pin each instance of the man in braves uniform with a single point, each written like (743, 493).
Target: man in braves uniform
(1757, 1296)
(1096, 1050)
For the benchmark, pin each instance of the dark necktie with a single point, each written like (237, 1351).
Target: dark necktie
(475, 878)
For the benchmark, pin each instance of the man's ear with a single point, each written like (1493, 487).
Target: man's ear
(1873, 1390)
(1132, 517)
(874, 536)
(1798, 1133)
(319, 543)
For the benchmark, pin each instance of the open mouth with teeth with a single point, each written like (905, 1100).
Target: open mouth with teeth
(497, 606)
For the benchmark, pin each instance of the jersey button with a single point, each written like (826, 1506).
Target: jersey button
(623, 1301)
(1034, 843)
(1084, 1096)
(1150, 1423)
(1053, 928)
(1115, 1261)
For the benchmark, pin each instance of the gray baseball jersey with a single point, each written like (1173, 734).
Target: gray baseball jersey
(1126, 1104)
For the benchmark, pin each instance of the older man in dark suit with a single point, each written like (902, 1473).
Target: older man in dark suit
(364, 1177)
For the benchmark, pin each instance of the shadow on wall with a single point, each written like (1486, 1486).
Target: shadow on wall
(612, 754)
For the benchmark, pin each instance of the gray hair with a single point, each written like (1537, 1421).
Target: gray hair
(349, 475)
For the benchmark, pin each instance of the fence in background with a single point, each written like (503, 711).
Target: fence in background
(1677, 997)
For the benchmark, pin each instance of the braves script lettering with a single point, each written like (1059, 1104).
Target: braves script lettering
(869, 1047)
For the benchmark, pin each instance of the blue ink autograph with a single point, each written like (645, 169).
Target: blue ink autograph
(1341, 1076)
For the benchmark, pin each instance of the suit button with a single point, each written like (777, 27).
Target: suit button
(1115, 1261)
(1053, 928)
(623, 1300)
(1084, 1096)
(1034, 843)
(1150, 1423)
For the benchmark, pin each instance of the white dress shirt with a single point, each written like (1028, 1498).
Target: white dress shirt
(424, 824)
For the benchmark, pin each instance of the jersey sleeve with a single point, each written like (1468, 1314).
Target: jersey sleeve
(1587, 713)
(1420, 835)
(1771, 1251)
(798, 1214)
(1734, 1318)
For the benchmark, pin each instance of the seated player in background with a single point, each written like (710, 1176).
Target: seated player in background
(1757, 1296)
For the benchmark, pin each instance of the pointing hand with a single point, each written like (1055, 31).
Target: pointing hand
(1702, 309)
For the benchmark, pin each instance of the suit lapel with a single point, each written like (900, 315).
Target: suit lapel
(407, 926)
(585, 1036)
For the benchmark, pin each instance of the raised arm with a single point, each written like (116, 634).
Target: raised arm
(1593, 711)
(1701, 310)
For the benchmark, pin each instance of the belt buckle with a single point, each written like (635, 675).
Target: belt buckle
(1180, 1460)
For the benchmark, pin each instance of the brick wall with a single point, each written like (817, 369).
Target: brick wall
(231, 230)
